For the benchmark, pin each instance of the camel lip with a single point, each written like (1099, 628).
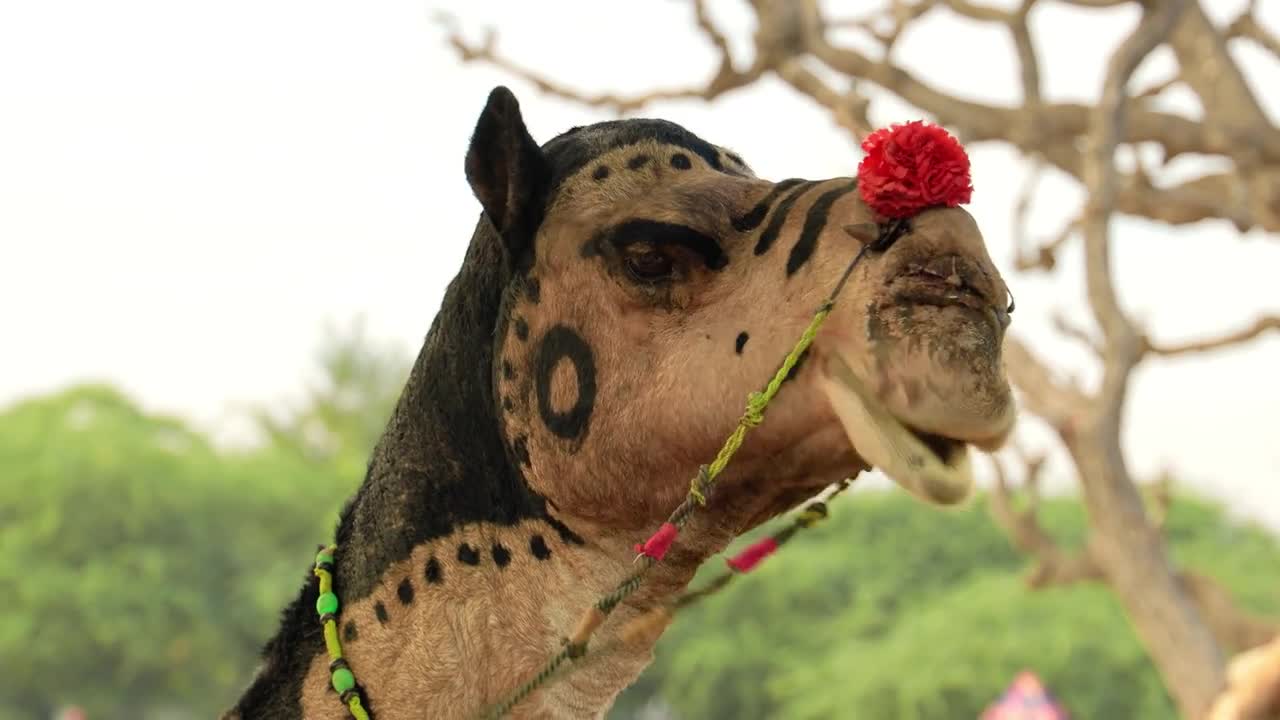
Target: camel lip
(948, 278)
(932, 467)
(937, 294)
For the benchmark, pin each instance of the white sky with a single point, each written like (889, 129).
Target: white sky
(190, 192)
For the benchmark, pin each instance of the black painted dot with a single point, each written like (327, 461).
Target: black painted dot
(533, 290)
(539, 548)
(501, 555)
(380, 611)
(680, 161)
(741, 342)
(508, 372)
(468, 554)
(349, 633)
(522, 329)
(405, 592)
(433, 571)
(601, 172)
(637, 162)
(508, 404)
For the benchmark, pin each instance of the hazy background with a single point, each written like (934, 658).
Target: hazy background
(193, 195)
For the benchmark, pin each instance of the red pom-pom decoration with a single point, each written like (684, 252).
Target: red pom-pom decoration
(746, 561)
(659, 543)
(911, 167)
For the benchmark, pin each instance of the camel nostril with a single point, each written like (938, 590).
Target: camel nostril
(1004, 318)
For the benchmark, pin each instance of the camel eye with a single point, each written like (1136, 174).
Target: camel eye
(647, 265)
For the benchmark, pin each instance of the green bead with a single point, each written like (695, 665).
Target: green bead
(324, 557)
(343, 680)
(327, 603)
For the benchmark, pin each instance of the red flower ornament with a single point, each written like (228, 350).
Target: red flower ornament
(913, 166)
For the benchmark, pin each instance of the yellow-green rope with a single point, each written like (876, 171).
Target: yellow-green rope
(341, 677)
(813, 513)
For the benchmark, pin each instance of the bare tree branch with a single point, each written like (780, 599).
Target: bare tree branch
(1247, 26)
(1064, 325)
(1230, 108)
(1259, 326)
(1122, 341)
(1096, 3)
(1044, 394)
(726, 78)
(788, 30)
(1159, 87)
(1126, 546)
(900, 13)
(849, 109)
(1053, 566)
(1045, 257)
(1029, 63)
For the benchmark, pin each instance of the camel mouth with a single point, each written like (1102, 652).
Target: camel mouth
(931, 466)
(951, 282)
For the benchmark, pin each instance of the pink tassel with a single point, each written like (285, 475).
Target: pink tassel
(746, 560)
(657, 546)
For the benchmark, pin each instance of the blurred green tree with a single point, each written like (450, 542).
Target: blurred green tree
(132, 555)
(143, 566)
(344, 411)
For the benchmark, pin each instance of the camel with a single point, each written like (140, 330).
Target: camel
(627, 285)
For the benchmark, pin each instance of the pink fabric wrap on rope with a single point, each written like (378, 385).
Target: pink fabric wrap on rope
(746, 560)
(657, 545)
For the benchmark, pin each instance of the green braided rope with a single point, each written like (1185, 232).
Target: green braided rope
(524, 690)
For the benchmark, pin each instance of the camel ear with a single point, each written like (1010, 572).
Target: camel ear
(507, 171)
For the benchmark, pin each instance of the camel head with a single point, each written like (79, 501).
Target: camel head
(628, 286)
(656, 282)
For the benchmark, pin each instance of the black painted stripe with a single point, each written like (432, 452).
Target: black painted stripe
(770, 234)
(752, 220)
(814, 221)
(662, 233)
(564, 531)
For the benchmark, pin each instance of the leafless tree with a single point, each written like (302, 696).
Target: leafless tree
(1186, 621)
